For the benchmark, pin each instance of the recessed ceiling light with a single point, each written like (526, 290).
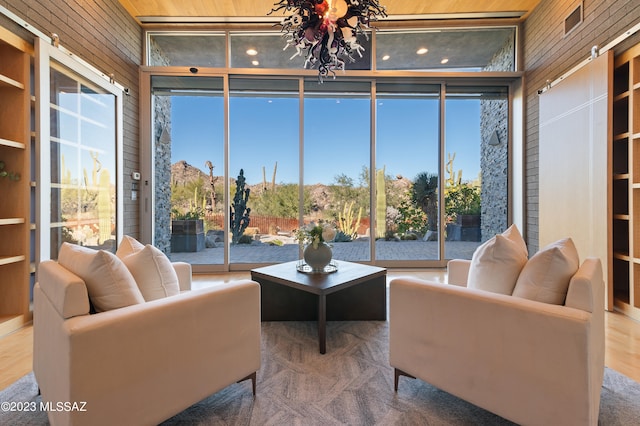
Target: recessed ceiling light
(255, 63)
(444, 60)
(252, 52)
(386, 57)
(422, 51)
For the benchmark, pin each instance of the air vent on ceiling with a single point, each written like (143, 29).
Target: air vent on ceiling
(573, 20)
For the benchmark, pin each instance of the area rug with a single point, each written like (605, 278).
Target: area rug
(352, 384)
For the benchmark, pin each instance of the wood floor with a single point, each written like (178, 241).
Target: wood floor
(622, 336)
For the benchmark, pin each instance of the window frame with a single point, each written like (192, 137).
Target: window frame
(510, 79)
(45, 53)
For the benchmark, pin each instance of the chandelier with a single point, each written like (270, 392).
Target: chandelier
(325, 32)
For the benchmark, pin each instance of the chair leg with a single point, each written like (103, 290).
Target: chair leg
(397, 374)
(253, 376)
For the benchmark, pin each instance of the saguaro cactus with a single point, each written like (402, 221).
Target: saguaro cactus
(238, 211)
(212, 182)
(452, 180)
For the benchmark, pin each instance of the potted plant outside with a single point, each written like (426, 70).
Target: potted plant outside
(187, 231)
(463, 205)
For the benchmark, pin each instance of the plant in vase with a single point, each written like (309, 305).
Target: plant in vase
(317, 253)
(10, 175)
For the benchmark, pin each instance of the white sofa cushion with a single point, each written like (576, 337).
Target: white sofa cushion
(127, 246)
(546, 276)
(109, 283)
(151, 269)
(496, 264)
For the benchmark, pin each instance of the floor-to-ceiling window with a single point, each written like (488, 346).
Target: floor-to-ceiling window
(407, 171)
(398, 161)
(337, 141)
(476, 166)
(264, 141)
(189, 164)
(437, 189)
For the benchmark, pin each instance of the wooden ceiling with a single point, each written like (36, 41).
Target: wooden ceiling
(150, 11)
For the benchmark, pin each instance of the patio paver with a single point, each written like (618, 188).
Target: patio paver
(351, 251)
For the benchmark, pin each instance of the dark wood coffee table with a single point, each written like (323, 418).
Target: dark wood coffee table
(354, 293)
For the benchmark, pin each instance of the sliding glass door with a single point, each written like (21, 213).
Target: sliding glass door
(80, 167)
(264, 147)
(337, 141)
(476, 167)
(189, 168)
(407, 177)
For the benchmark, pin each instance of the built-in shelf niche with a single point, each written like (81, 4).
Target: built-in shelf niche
(625, 166)
(15, 151)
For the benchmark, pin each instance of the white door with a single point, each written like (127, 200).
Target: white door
(575, 116)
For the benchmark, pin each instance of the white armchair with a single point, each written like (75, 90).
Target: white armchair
(530, 362)
(143, 363)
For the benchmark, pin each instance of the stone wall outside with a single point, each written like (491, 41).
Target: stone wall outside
(494, 159)
(162, 161)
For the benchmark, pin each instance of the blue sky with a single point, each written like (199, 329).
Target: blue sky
(264, 131)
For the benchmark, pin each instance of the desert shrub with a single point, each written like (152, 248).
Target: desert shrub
(281, 201)
(462, 199)
(411, 218)
(245, 239)
(389, 235)
(424, 193)
(409, 237)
